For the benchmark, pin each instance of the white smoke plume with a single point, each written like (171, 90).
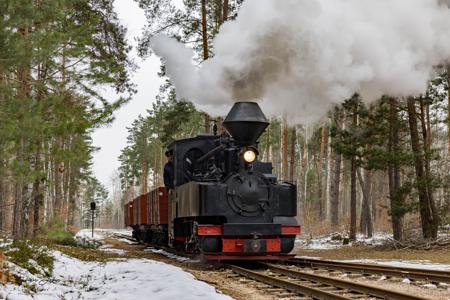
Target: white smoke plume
(299, 58)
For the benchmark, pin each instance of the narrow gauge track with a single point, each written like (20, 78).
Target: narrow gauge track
(368, 269)
(126, 237)
(310, 286)
(316, 286)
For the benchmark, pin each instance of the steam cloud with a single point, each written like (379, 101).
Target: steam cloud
(299, 58)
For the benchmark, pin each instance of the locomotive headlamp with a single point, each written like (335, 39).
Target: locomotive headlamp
(249, 155)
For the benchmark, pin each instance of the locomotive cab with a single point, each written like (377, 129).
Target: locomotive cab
(226, 203)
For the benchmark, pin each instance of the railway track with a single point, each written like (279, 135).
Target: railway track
(301, 285)
(124, 236)
(288, 282)
(413, 274)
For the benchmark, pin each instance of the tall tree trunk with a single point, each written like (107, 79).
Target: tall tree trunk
(205, 55)
(396, 198)
(284, 165)
(37, 199)
(427, 140)
(269, 144)
(204, 31)
(366, 224)
(328, 176)
(23, 76)
(448, 107)
(353, 181)
(144, 167)
(323, 139)
(428, 217)
(225, 10)
(335, 183)
(293, 161)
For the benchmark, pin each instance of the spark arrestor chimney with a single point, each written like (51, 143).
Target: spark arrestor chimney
(245, 122)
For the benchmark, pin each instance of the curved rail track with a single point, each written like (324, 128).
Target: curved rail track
(293, 283)
(310, 286)
(369, 269)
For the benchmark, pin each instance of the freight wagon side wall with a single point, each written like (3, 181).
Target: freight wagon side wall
(125, 215)
(157, 207)
(136, 211)
(150, 208)
(130, 210)
(163, 204)
(143, 209)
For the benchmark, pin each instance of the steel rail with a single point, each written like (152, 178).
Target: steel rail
(344, 284)
(411, 273)
(315, 293)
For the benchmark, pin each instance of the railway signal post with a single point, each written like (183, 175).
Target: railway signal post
(93, 206)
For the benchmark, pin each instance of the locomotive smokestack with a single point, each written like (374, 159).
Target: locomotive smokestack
(245, 122)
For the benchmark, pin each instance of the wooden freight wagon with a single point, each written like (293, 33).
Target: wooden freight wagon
(148, 216)
(140, 210)
(128, 213)
(158, 207)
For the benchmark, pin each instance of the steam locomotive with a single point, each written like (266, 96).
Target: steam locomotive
(225, 204)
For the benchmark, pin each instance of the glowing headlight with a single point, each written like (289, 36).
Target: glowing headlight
(249, 156)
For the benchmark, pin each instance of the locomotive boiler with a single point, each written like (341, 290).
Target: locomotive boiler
(225, 203)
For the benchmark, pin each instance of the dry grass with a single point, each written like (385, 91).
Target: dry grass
(87, 254)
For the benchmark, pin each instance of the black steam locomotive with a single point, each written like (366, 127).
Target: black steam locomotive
(225, 202)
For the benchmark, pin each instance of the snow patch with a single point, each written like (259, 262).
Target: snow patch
(417, 264)
(406, 280)
(169, 255)
(128, 242)
(87, 235)
(121, 279)
(111, 249)
(335, 241)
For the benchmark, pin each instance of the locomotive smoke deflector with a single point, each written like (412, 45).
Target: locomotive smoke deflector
(245, 122)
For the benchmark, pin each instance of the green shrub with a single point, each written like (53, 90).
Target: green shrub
(35, 258)
(54, 233)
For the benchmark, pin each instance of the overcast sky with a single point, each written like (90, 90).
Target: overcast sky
(112, 139)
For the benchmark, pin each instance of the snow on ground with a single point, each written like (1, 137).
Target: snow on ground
(87, 234)
(121, 279)
(416, 264)
(4, 242)
(126, 241)
(85, 237)
(127, 232)
(100, 234)
(169, 255)
(111, 249)
(335, 240)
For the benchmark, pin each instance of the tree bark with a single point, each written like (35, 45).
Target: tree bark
(323, 141)
(225, 10)
(37, 199)
(396, 199)
(335, 187)
(284, 166)
(23, 76)
(366, 224)
(353, 181)
(293, 161)
(426, 134)
(428, 217)
(448, 107)
(205, 55)
(204, 31)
